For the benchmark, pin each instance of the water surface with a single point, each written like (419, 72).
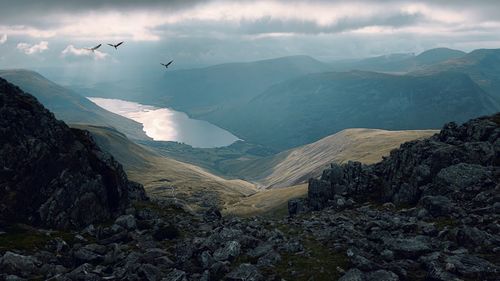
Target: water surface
(165, 124)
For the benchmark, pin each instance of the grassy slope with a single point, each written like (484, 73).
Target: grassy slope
(192, 184)
(296, 165)
(198, 187)
(269, 202)
(68, 105)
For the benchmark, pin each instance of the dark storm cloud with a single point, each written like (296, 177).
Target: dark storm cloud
(273, 25)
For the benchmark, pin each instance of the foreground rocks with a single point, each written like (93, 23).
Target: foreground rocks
(193, 247)
(51, 175)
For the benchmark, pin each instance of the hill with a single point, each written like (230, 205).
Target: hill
(202, 90)
(54, 176)
(297, 165)
(482, 66)
(68, 105)
(165, 177)
(308, 108)
(399, 63)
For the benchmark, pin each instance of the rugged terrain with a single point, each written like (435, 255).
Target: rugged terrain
(52, 175)
(428, 211)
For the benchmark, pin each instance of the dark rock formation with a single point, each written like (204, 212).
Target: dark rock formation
(429, 211)
(459, 162)
(51, 175)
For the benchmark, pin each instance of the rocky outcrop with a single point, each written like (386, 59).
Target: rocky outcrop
(51, 175)
(460, 162)
(429, 211)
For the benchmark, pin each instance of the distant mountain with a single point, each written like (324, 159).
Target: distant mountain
(51, 175)
(68, 105)
(400, 63)
(305, 109)
(203, 90)
(438, 55)
(482, 66)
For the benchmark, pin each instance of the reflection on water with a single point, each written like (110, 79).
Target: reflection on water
(164, 124)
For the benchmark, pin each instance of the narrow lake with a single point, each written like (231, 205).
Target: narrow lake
(165, 124)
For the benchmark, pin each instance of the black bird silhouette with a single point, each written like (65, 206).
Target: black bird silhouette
(166, 65)
(116, 46)
(93, 49)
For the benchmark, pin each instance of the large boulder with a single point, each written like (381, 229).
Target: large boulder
(51, 175)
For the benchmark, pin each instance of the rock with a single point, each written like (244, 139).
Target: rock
(90, 253)
(269, 259)
(219, 269)
(127, 222)
(245, 272)
(382, 275)
(260, 250)
(387, 255)
(473, 267)
(165, 231)
(212, 214)
(83, 272)
(296, 206)
(59, 177)
(150, 272)
(13, 263)
(462, 176)
(409, 247)
(353, 275)
(438, 206)
(206, 259)
(230, 250)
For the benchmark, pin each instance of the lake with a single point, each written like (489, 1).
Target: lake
(165, 124)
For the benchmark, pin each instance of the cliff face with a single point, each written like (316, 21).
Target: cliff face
(51, 175)
(460, 162)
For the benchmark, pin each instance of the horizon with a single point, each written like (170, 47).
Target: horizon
(203, 33)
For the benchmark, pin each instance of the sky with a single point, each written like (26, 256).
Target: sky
(52, 33)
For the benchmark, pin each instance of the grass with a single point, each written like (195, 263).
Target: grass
(441, 223)
(268, 203)
(27, 238)
(317, 262)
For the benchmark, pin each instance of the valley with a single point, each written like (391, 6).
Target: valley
(281, 115)
(230, 140)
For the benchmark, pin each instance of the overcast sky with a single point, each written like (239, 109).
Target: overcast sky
(37, 33)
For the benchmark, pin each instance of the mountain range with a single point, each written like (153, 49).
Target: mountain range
(287, 102)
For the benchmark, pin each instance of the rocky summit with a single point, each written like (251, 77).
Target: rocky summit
(429, 211)
(51, 175)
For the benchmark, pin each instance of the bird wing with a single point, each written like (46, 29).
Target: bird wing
(111, 45)
(162, 64)
(119, 44)
(96, 47)
(169, 63)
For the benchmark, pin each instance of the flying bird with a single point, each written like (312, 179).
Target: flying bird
(93, 49)
(166, 65)
(116, 46)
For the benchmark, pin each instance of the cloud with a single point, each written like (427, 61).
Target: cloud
(71, 51)
(153, 20)
(3, 39)
(33, 49)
